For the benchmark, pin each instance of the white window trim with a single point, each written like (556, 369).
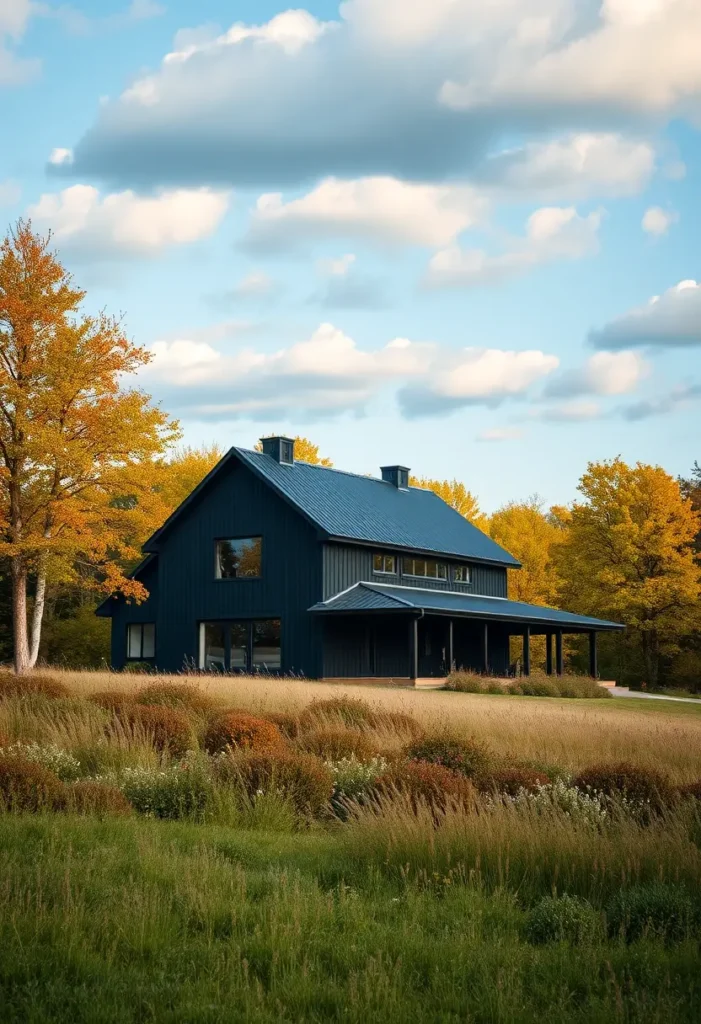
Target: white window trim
(423, 576)
(384, 572)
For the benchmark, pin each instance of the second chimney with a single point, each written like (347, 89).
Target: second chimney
(398, 476)
(282, 449)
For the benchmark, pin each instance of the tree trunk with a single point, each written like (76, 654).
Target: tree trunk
(651, 657)
(19, 614)
(38, 613)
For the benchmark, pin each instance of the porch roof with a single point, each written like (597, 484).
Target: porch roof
(383, 597)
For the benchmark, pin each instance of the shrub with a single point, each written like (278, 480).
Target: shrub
(353, 778)
(237, 729)
(138, 668)
(333, 743)
(168, 729)
(427, 783)
(400, 723)
(182, 790)
(28, 786)
(644, 788)
(302, 779)
(111, 700)
(658, 909)
(583, 809)
(563, 919)
(351, 711)
(12, 685)
(91, 797)
(512, 780)
(181, 696)
(467, 682)
(470, 757)
(691, 789)
(287, 724)
(64, 766)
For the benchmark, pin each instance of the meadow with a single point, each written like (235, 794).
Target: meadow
(216, 849)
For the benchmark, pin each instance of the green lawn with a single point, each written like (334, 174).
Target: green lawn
(135, 920)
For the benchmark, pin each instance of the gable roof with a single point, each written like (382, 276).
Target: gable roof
(362, 509)
(369, 597)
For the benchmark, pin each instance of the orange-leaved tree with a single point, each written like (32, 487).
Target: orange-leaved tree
(73, 441)
(530, 535)
(456, 495)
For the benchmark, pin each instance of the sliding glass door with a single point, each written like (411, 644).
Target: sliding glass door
(241, 646)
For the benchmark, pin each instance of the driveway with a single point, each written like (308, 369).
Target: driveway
(623, 691)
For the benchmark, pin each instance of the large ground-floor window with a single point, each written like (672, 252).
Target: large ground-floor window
(241, 646)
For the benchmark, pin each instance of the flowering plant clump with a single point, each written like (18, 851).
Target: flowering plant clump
(352, 778)
(60, 762)
(180, 790)
(583, 808)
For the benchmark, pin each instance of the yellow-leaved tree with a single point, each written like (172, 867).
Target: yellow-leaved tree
(628, 554)
(177, 476)
(529, 534)
(76, 447)
(456, 495)
(305, 451)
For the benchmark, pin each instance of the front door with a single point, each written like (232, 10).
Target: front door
(433, 648)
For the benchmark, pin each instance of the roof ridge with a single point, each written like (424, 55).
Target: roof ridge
(343, 472)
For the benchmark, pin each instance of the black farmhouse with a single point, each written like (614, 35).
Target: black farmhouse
(275, 565)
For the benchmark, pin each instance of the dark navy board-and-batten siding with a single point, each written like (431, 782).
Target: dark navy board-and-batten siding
(239, 504)
(123, 613)
(346, 564)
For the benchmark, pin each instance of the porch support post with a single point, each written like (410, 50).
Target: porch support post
(527, 651)
(549, 654)
(413, 649)
(593, 667)
(559, 662)
(451, 659)
(485, 648)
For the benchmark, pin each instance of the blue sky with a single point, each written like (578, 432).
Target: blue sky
(459, 236)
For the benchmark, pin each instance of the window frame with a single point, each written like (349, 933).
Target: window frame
(250, 624)
(230, 540)
(141, 626)
(424, 576)
(461, 568)
(384, 557)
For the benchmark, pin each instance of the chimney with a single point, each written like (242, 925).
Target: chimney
(282, 449)
(398, 476)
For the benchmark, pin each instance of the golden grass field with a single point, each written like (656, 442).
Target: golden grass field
(573, 733)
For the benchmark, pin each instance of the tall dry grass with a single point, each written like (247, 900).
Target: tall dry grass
(570, 733)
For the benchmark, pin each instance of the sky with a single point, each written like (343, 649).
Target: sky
(459, 236)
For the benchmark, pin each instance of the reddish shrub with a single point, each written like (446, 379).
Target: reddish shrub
(12, 685)
(112, 700)
(333, 743)
(237, 729)
(86, 797)
(286, 723)
(470, 757)
(511, 780)
(302, 778)
(169, 729)
(639, 785)
(28, 786)
(181, 696)
(427, 783)
(350, 711)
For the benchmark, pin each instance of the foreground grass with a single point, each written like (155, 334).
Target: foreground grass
(136, 920)
(573, 733)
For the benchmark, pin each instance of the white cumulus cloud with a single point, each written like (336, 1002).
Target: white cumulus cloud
(657, 221)
(124, 224)
(671, 320)
(552, 233)
(604, 373)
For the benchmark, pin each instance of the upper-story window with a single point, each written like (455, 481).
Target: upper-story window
(239, 558)
(461, 574)
(425, 568)
(385, 564)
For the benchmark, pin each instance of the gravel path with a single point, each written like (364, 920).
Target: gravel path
(623, 691)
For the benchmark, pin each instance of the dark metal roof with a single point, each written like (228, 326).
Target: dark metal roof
(385, 597)
(347, 506)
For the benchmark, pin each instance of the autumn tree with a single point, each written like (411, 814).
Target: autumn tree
(529, 534)
(628, 554)
(305, 451)
(176, 476)
(73, 440)
(456, 495)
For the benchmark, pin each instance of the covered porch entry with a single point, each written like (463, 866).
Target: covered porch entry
(377, 631)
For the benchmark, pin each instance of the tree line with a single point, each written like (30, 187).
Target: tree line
(90, 467)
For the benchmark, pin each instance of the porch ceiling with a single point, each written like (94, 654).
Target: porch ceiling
(383, 597)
